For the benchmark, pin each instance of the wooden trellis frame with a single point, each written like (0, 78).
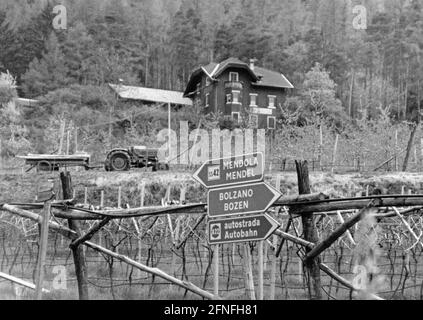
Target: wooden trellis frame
(304, 206)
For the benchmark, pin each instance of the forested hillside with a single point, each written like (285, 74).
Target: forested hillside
(342, 73)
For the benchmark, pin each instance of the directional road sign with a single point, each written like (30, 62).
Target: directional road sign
(248, 228)
(242, 199)
(231, 171)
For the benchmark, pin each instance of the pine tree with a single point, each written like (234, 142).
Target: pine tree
(78, 50)
(26, 43)
(48, 73)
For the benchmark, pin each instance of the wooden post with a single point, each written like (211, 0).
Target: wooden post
(102, 199)
(341, 219)
(78, 252)
(1, 157)
(409, 146)
(335, 147)
(321, 147)
(273, 269)
(310, 234)
(300, 271)
(85, 196)
(76, 140)
(119, 197)
(265, 248)
(216, 270)
(182, 195)
(68, 142)
(260, 270)
(142, 191)
(248, 272)
(62, 136)
(396, 150)
(42, 251)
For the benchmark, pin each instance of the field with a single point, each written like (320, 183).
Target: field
(399, 266)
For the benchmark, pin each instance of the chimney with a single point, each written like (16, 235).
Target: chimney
(252, 64)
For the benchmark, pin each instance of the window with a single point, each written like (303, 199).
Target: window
(253, 99)
(229, 98)
(198, 87)
(235, 117)
(272, 101)
(233, 76)
(235, 96)
(207, 100)
(208, 81)
(271, 123)
(253, 121)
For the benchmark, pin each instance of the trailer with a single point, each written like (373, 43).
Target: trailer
(53, 162)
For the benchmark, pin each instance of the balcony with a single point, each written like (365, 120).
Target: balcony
(234, 85)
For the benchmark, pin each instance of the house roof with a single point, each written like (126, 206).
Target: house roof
(150, 94)
(26, 102)
(271, 78)
(260, 76)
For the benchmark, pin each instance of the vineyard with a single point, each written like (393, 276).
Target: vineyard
(155, 247)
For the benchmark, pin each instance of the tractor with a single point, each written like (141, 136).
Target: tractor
(120, 159)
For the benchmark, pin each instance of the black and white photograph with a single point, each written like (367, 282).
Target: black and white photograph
(211, 156)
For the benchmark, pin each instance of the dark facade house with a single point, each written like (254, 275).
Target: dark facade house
(242, 92)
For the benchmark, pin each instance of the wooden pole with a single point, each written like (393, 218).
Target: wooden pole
(335, 147)
(120, 197)
(216, 270)
(310, 234)
(323, 245)
(321, 147)
(76, 140)
(169, 135)
(102, 199)
(405, 223)
(248, 271)
(1, 157)
(273, 270)
(85, 196)
(396, 150)
(62, 136)
(42, 251)
(260, 270)
(67, 142)
(78, 252)
(341, 219)
(155, 271)
(409, 146)
(142, 197)
(20, 281)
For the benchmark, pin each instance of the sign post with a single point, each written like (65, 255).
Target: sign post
(236, 188)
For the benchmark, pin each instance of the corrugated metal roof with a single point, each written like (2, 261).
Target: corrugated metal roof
(26, 102)
(150, 94)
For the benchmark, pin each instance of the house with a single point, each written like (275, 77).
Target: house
(240, 91)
